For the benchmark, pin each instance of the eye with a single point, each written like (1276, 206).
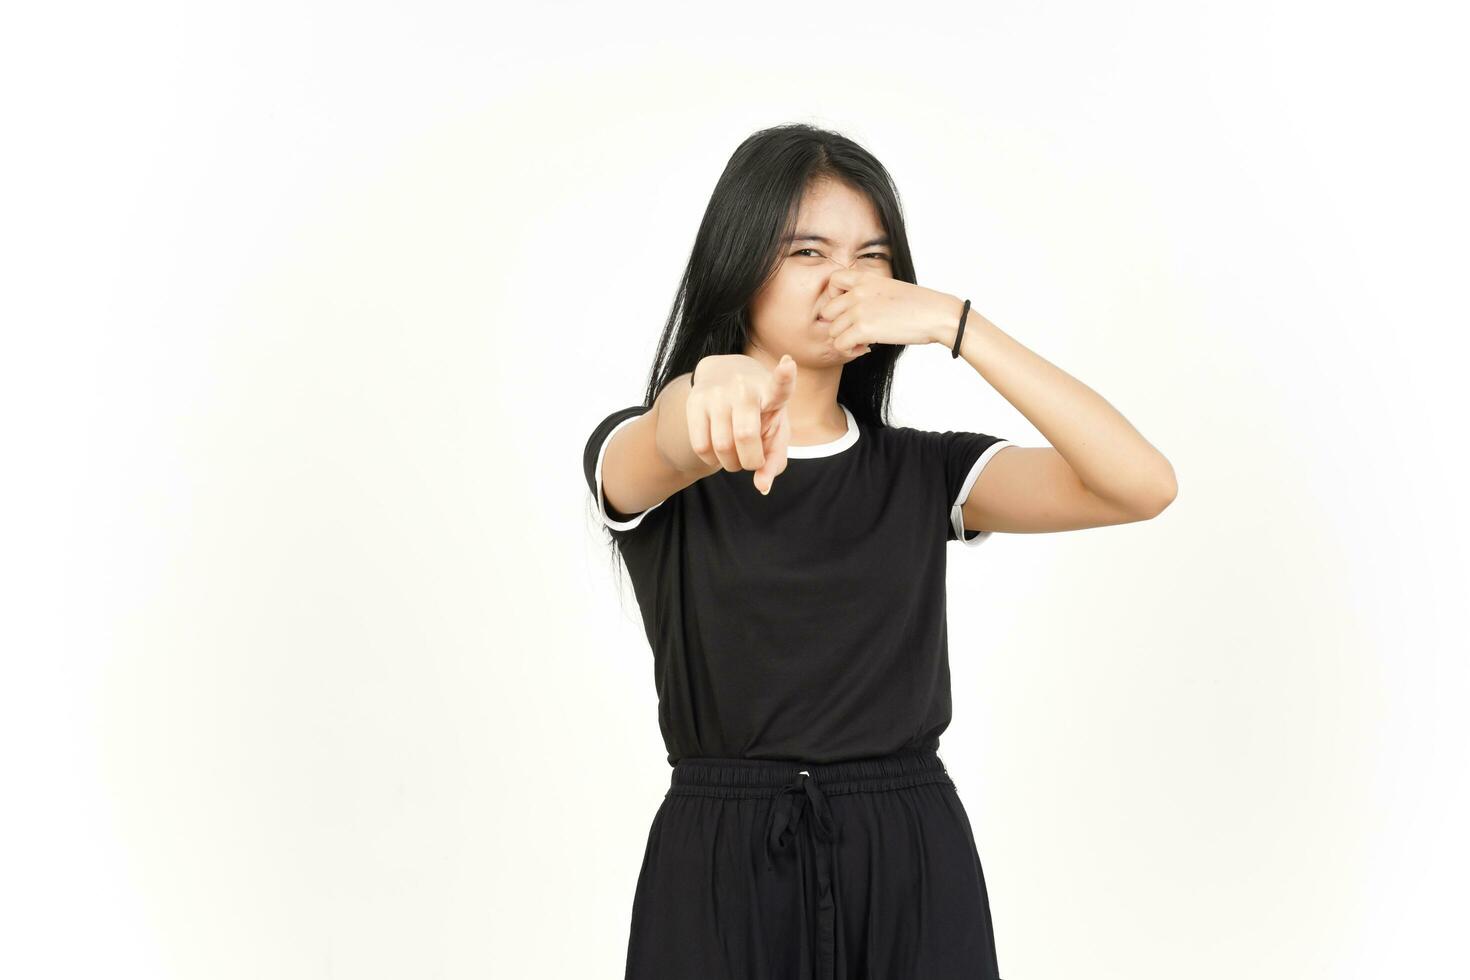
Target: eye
(877, 255)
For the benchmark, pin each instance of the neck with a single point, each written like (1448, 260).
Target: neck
(813, 411)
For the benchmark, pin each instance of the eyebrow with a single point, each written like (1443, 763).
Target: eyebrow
(883, 240)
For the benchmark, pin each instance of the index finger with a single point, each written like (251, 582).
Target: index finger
(783, 384)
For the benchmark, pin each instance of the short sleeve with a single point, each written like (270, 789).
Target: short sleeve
(964, 455)
(592, 456)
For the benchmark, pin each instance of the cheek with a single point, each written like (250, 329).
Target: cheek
(801, 286)
(788, 292)
(784, 312)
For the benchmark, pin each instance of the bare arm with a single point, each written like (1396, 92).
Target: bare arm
(650, 459)
(1098, 469)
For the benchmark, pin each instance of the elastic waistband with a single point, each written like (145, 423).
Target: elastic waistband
(709, 776)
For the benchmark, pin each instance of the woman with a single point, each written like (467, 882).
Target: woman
(787, 549)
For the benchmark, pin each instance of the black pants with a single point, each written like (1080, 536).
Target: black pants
(764, 870)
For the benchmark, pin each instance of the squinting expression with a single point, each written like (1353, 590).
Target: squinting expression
(837, 227)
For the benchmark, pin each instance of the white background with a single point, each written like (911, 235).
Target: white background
(314, 664)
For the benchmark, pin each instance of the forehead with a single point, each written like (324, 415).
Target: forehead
(833, 212)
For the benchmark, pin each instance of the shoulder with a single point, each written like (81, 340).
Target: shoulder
(903, 438)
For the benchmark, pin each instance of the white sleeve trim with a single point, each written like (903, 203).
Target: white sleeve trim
(956, 510)
(632, 522)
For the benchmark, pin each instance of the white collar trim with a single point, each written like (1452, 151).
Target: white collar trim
(828, 448)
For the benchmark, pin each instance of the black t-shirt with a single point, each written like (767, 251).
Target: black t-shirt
(808, 624)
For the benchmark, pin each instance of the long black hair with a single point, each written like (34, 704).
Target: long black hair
(740, 246)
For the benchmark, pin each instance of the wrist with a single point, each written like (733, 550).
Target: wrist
(944, 332)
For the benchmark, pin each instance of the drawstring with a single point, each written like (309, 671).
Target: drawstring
(786, 812)
(792, 801)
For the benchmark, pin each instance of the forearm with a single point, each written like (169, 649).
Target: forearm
(1109, 456)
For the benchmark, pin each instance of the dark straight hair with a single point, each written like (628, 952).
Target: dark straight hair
(741, 242)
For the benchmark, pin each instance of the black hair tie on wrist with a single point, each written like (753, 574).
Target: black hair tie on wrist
(963, 313)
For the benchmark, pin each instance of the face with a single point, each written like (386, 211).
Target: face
(783, 314)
